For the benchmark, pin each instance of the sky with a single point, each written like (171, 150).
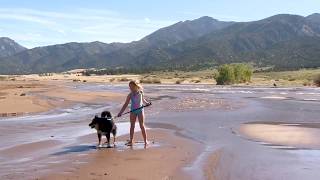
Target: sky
(34, 23)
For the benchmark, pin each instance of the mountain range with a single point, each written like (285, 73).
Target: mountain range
(8, 47)
(282, 41)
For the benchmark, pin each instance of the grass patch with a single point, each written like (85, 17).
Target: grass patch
(124, 79)
(303, 74)
(112, 79)
(150, 81)
(3, 78)
(196, 81)
(180, 81)
(303, 77)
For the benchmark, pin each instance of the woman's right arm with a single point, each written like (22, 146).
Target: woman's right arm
(125, 105)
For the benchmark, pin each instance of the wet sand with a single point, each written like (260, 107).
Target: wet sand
(284, 135)
(162, 160)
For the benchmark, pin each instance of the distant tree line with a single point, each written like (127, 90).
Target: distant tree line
(145, 69)
(233, 73)
(115, 71)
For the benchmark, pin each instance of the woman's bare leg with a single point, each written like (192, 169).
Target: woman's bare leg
(133, 119)
(142, 126)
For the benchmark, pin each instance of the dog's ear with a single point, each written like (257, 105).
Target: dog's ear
(108, 114)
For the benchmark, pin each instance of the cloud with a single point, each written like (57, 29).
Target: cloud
(78, 14)
(23, 17)
(80, 25)
(147, 20)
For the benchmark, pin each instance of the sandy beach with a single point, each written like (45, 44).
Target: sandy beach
(195, 132)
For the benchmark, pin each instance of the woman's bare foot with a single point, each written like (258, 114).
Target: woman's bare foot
(146, 144)
(129, 143)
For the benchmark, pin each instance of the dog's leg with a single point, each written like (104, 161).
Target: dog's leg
(108, 139)
(99, 137)
(114, 133)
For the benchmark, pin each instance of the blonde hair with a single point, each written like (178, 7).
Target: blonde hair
(136, 85)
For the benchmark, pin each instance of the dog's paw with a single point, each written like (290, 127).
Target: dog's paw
(99, 145)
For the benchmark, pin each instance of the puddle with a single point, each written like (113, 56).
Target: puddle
(55, 162)
(75, 149)
(157, 98)
(274, 97)
(121, 146)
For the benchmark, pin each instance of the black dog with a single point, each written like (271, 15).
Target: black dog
(104, 126)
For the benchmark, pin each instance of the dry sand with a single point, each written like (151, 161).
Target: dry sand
(14, 98)
(21, 97)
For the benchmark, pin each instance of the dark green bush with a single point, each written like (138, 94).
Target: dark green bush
(233, 73)
(317, 80)
(179, 81)
(225, 75)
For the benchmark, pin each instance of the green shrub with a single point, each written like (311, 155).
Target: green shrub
(45, 74)
(225, 75)
(156, 81)
(233, 73)
(317, 80)
(306, 83)
(242, 72)
(196, 81)
(2, 78)
(150, 81)
(125, 79)
(86, 73)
